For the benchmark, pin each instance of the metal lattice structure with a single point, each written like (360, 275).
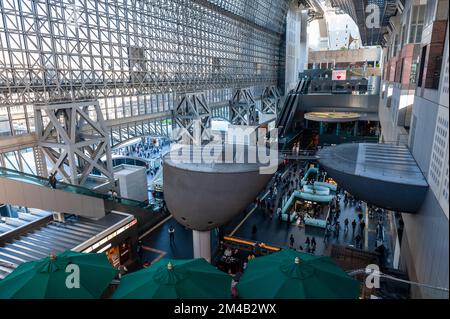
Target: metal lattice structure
(132, 56)
(243, 108)
(74, 138)
(270, 100)
(356, 9)
(192, 120)
(127, 131)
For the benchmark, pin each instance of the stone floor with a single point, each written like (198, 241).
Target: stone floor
(158, 243)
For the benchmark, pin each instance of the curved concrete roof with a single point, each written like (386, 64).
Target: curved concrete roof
(382, 174)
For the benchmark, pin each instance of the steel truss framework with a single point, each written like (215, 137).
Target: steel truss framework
(133, 57)
(74, 139)
(243, 108)
(192, 120)
(127, 131)
(270, 100)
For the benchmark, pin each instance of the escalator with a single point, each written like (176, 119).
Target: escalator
(27, 190)
(286, 117)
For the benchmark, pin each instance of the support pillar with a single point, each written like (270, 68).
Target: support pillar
(202, 244)
(321, 127)
(191, 119)
(355, 129)
(270, 100)
(338, 129)
(73, 136)
(242, 108)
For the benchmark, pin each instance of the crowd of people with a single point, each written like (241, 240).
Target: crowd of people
(146, 148)
(333, 226)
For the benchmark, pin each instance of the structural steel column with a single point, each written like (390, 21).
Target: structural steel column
(74, 138)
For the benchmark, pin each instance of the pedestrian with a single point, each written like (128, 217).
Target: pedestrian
(291, 241)
(115, 196)
(308, 244)
(171, 234)
(139, 250)
(313, 244)
(52, 180)
(254, 230)
(122, 271)
(358, 240)
(346, 226)
(234, 292)
(362, 225)
(337, 228)
(353, 225)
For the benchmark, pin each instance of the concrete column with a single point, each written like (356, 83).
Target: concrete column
(202, 244)
(321, 128)
(338, 129)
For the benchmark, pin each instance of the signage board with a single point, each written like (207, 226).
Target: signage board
(339, 75)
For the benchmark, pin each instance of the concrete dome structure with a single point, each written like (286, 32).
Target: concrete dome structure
(204, 196)
(384, 175)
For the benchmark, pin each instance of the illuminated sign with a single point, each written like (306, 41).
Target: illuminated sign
(339, 75)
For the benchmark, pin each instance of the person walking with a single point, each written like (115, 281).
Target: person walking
(353, 225)
(337, 228)
(122, 271)
(139, 250)
(171, 232)
(291, 241)
(362, 225)
(308, 244)
(328, 230)
(358, 241)
(254, 230)
(313, 245)
(346, 226)
(52, 180)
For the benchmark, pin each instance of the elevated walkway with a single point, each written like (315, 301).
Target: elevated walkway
(384, 175)
(32, 191)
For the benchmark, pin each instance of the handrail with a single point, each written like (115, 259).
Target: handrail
(41, 181)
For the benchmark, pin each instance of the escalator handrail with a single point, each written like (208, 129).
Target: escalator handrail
(25, 177)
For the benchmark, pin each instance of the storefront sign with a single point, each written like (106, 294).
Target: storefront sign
(339, 75)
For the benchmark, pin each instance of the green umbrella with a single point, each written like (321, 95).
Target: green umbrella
(175, 279)
(289, 274)
(69, 275)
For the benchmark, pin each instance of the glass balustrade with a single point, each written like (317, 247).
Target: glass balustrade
(40, 181)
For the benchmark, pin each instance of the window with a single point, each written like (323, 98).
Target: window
(422, 65)
(415, 33)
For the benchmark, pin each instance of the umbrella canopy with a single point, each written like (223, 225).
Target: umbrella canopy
(289, 274)
(175, 279)
(69, 275)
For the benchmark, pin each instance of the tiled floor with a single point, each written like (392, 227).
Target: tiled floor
(181, 248)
